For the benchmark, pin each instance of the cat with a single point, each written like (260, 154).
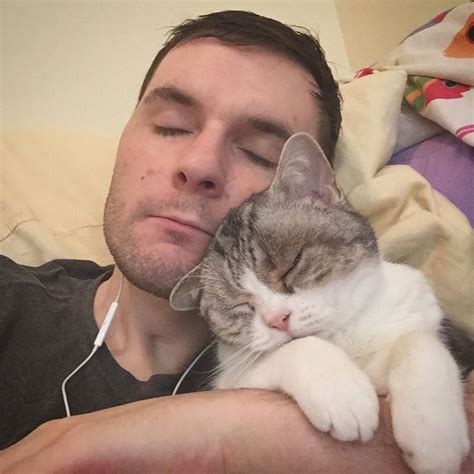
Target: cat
(301, 301)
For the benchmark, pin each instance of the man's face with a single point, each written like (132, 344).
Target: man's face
(205, 137)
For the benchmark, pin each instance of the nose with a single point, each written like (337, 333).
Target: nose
(279, 321)
(200, 168)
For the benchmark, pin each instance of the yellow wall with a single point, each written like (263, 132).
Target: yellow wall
(79, 64)
(371, 28)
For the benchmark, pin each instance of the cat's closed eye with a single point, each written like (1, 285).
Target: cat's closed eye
(243, 306)
(285, 277)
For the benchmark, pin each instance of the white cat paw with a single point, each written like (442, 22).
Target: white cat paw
(435, 444)
(343, 403)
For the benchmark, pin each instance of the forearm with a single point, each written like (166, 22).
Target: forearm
(156, 435)
(221, 431)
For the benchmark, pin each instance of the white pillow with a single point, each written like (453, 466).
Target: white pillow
(54, 185)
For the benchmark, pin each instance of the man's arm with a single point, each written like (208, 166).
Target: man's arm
(219, 431)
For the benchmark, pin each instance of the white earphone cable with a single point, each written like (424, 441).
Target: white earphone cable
(104, 328)
(99, 341)
(191, 365)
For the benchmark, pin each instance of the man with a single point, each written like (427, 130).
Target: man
(216, 106)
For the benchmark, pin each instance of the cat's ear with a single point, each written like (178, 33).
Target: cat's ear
(304, 170)
(185, 295)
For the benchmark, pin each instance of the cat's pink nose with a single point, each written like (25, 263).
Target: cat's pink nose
(279, 321)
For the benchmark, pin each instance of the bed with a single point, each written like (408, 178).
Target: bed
(404, 159)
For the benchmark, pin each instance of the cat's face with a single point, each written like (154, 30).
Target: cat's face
(277, 270)
(279, 265)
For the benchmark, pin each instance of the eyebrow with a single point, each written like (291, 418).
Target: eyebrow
(174, 95)
(271, 126)
(170, 94)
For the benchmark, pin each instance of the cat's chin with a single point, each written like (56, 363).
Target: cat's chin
(270, 343)
(322, 334)
(274, 343)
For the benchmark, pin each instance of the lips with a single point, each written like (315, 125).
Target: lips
(186, 222)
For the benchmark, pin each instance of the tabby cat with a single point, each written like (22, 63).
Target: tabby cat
(295, 289)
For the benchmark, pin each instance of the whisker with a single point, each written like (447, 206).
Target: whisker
(209, 379)
(243, 363)
(231, 366)
(232, 358)
(249, 363)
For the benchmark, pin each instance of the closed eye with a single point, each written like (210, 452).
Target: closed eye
(259, 160)
(295, 263)
(170, 131)
(243, 306)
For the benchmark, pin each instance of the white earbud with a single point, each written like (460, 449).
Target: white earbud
(104, 328)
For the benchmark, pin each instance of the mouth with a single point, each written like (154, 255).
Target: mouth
(184, 224)
(273, 343)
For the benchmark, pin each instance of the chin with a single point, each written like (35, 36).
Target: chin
(271, 343)
(156, 271)
(174, 255)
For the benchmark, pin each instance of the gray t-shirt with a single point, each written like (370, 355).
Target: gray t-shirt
(47, 328)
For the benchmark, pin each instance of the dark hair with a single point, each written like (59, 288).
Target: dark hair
(242, 28)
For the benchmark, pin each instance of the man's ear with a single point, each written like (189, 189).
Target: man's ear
(304, 170)
(185, 295)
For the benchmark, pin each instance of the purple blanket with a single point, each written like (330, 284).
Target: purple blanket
(448, 164)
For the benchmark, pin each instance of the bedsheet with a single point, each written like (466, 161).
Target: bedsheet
(415, 223)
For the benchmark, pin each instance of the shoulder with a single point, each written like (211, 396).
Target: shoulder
(11, 272)
(55, 280)
(40, 304)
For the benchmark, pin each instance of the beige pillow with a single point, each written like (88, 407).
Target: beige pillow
(54, 185)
